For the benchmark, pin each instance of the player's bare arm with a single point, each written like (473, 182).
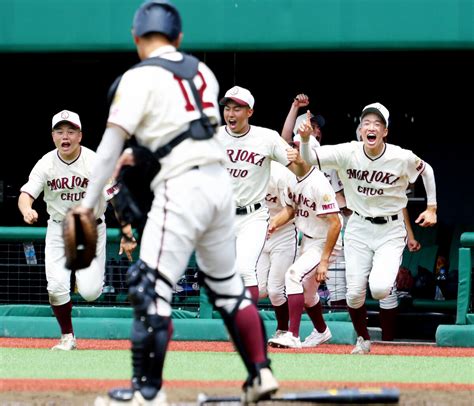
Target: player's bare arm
(298, 165)
(428, 218)
(412, 244)
(301, 100)
(333, 234)
(25, 203)
(128, 243)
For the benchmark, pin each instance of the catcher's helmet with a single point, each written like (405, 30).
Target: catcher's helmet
(157, 16)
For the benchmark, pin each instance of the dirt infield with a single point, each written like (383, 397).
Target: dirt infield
(74, 392)
(223, 346)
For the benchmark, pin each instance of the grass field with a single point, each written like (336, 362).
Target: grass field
(425, 375)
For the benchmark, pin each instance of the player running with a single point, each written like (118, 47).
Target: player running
(375, 176)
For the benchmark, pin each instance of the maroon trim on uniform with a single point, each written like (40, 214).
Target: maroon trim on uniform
(69, 163)
(380, 156)
(63, 316)
(160, 249)
(329, 212)
(298, 180)
(317, 158)
(237, 135)
(424, 167)
(311, 269)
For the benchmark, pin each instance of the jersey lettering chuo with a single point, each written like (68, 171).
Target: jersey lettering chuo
(64, 183)
(312, 197)
(249, 161)
(140, 108)
(373, 186)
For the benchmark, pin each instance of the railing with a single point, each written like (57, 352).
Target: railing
(465, 277)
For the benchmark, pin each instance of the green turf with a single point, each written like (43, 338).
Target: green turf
(114, 364)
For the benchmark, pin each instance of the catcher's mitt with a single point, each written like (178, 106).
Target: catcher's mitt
(80, 238)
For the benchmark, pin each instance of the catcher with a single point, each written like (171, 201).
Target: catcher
(62, 175)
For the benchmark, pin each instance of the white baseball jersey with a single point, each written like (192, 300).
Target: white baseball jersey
(373, 187)
(331, 174)
(248, 163)
(312, 196)
(154, 120)
(64, 183)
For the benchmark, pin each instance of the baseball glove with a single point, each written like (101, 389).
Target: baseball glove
(80, 238)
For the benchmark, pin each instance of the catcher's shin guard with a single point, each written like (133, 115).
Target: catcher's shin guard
(141, 281)
(221, 303)
(150, 337)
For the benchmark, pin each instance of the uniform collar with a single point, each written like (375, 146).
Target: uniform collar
(165, 49)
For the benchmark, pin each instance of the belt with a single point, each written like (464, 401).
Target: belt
(98, 221)
(247, 209)
(379, 220)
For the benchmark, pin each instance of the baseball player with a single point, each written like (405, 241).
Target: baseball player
(250, 149)
(193, 207)
(279, 251)
(336, 281)
(62, 175)
(388, 312)
(312, 202)
(375, 176)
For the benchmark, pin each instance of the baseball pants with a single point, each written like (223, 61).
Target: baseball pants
(373, 254)
(192, 211)
(251, 234)
(300, 276)
(277, 256)
(89, 281)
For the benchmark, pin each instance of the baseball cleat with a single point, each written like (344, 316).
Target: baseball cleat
(316, 338)
(277, 334)
(262, 387)
(128, 396)
(362, 346)
(67, 343)
(286, 340)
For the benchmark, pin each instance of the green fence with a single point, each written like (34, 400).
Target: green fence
(237, 25)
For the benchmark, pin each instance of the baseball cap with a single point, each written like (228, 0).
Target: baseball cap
(68, 116)
(239, 95)
(378, 109)
(318, 119)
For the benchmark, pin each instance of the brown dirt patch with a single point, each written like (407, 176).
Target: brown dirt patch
(224, 346)
(20, 392)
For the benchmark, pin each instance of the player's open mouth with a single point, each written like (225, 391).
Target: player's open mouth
(65, 144)
(371, 138)
(232, 123)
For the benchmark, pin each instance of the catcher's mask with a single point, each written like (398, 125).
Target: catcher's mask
(159, 16)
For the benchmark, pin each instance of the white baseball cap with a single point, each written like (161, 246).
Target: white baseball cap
(68, 116)
(239, 95)
(378, 109)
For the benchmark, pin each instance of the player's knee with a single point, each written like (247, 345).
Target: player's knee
(379, 292)
(228, 295)
(355, 300)
(276, 296)
(310, 301)
(390, 302)
(58, 299)
(90, 294)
